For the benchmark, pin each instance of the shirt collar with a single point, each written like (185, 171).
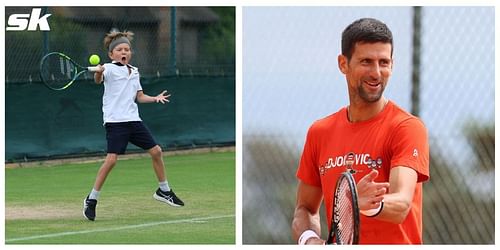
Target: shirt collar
(120, 64)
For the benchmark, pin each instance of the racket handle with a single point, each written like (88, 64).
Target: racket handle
(92, 68)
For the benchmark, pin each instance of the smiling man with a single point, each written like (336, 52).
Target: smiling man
(387, 149)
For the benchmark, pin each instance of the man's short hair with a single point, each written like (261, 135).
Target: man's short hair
(365, 30)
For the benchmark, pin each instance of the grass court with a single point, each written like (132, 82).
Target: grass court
(43, 205)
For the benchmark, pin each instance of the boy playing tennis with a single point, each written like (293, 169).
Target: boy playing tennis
(122, 89)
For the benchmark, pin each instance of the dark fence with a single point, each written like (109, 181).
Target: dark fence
(41, 123)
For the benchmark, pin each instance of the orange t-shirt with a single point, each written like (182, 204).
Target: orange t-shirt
(391, 138)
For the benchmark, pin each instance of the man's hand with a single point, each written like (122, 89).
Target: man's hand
(371, 193)
(315, 241)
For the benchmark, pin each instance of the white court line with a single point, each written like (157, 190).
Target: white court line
(192, 220)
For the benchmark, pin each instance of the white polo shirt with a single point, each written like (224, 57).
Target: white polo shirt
(120, 91)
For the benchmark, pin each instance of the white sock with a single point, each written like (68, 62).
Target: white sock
(164, 186)
(94, 194)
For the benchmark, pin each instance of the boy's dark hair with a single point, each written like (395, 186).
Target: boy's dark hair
(365, 30)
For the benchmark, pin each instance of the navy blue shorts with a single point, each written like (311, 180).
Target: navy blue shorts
(119, 134)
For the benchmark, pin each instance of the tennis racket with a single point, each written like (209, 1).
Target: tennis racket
(344, 227)
(58, 71)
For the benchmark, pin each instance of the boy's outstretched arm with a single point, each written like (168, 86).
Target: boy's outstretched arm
(162, 97)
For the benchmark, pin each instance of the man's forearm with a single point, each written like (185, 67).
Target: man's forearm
(304, 220)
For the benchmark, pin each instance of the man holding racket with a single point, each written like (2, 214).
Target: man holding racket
(384, 147)
(122, 89)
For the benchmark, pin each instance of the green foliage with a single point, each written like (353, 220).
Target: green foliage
(453, 212)
(272, 181)
(482, 140)
(219, 43)
(62, 37)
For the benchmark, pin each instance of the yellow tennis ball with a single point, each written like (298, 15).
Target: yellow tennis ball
(94, 59)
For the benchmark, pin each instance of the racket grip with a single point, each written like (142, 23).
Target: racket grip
(92, 68)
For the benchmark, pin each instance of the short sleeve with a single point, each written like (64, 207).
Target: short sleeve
(137, 77)
(308, 171)
(410, 147)
(107, 71)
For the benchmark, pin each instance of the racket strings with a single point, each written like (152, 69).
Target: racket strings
(57, 71)
(344, 213)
